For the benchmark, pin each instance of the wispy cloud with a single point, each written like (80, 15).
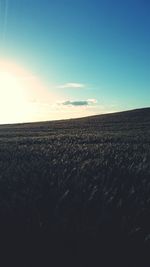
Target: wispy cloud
(72, 86)
(76, 103)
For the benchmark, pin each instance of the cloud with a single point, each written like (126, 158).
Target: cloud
(79, 102)
(76, 103)
(92, 101)
(71, 86)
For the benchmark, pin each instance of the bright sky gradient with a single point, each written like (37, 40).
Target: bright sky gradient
(72, 58)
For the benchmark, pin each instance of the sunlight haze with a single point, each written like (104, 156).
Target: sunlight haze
(56, 55)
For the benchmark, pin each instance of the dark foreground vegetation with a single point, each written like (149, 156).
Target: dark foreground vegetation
(77, 192)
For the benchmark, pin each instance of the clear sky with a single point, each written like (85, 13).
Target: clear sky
(71, 58)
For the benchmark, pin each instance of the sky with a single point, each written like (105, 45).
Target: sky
(72, 58)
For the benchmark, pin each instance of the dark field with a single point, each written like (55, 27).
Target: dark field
(76, 192)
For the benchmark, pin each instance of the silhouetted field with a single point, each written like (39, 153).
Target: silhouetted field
(76, 192)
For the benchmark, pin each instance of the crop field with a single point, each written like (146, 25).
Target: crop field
(76, 192)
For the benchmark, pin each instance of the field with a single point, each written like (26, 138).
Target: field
(76, 192)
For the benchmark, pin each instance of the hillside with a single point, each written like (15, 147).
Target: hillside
(76, 192)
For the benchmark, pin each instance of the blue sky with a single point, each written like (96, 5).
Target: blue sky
(88, 52)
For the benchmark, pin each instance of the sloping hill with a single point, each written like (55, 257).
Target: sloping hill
(125, 119)
(76, 192)
(136, 115)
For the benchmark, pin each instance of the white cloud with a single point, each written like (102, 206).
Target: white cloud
(92, 101)
(72, 86)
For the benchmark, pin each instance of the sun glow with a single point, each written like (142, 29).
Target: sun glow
(12, 97)
(11, 89)
(22, 95)
(25, 98)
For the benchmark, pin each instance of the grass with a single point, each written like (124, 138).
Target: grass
(76, 192)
